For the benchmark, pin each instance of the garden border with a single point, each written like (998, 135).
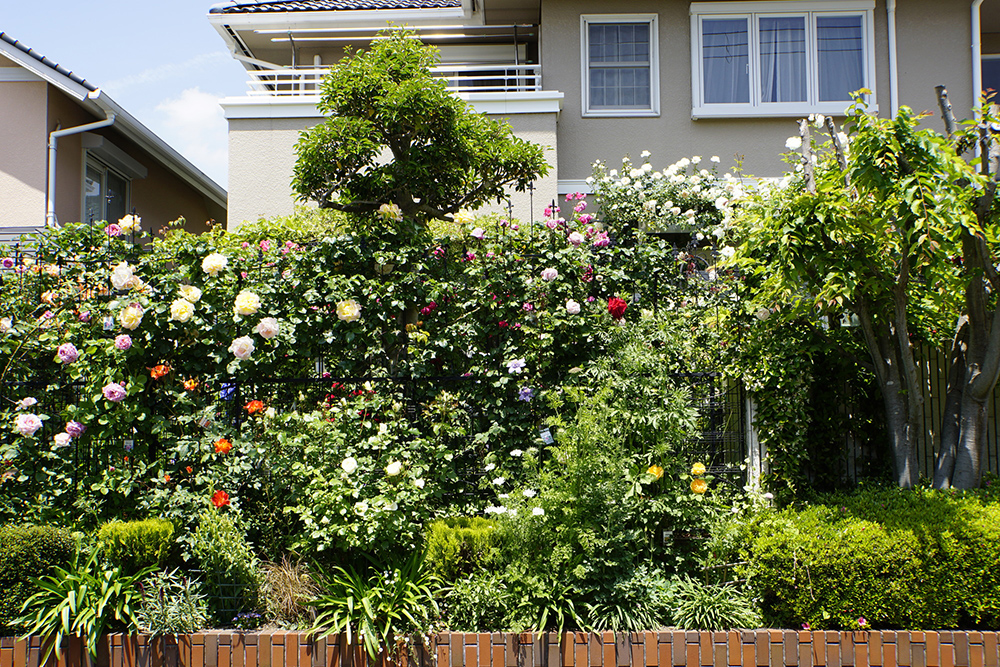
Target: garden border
(771, 648)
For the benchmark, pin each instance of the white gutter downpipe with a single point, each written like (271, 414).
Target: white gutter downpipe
(977, 54)
(890, 10)
(50, 197)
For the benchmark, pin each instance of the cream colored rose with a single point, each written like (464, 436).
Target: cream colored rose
(242, 347)
(131, 317)
(181, 310)
(349, 310)
(267, 328)
(121, 276)
(214, 264)
(190, 293)
(247, 303)
(464, 217)
(390, 212)
(129, 222)
(6, 324)
(393, 468)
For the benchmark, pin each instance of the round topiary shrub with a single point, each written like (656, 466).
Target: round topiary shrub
(27, 551)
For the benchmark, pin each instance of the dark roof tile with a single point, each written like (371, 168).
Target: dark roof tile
(262, 6)
(47, 62)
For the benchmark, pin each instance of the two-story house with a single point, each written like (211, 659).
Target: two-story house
(593, 80)
(69, 152)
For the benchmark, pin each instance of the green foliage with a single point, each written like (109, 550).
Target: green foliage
(86, 600)
(172, 604)
(135, 545)
(479, 602)
(27, 551)
(232, 575)
(459, 546)
(375, 609)
(642, 599)
(911, 560)
(701, 606)
(445, 155)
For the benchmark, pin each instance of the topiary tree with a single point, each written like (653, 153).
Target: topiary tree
(443, 156)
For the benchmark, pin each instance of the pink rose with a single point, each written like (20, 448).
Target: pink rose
(62, 439)
(575, 238)
(478, 233)
(114, 392)
(75, 429)
(67, 353)
(549, 274)
(123, 342)
(113, 230)
(27, 424)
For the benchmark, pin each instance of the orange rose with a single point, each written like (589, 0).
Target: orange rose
(166, 478)
(220, 499)
(223, 446)
(699, 486)
(190, 384)
(156, 372)
(253, 407)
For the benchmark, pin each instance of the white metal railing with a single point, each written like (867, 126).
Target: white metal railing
(461, 78)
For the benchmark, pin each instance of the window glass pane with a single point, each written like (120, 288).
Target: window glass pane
(991, 76)
(93, 199)
(783, 59)
(117, 199)
(839, 40)
(725, 61)
(619, 68)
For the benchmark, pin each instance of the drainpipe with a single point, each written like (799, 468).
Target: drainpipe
(50, 198)
(977, 54)
(890, 9)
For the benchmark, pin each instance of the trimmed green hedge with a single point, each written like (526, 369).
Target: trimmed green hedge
(134, 545)
(460, 546)
(886, 559)
(27, 551)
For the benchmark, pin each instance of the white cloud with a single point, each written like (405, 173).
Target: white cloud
(165, 71)
(194, 125)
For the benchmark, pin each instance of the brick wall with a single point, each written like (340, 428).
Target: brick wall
(772, 648)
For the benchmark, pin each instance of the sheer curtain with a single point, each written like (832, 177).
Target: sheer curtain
(841, 57)
(783, 59)
(725, 61)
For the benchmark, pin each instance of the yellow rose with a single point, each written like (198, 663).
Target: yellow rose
(699, 486)
(181, 310)
(698, 469)
(189, 293)
(247, 303)
(464, 217)
(390, 212)
(348, 310)
(655, 471)
(214, 264)
(131, 317)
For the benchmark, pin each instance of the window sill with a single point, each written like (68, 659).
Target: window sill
(621, 113)
(783, 111)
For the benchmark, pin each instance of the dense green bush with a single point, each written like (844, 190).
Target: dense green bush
(892, 558)
(25, 552)
(134, 545)
(459, 546)
(233, 580)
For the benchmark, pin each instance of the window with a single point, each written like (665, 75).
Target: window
(105, 193)
(619, 65)
(779, 58)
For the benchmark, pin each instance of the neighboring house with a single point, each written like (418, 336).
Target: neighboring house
(597, 80)
(69, 153)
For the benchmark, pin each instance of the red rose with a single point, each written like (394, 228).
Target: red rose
(617, 307)
(220, 499)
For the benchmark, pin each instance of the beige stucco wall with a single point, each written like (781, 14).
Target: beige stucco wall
(933, 38)
(22, 153)
(262, 157)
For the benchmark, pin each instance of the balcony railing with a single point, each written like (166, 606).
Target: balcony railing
(461, 78)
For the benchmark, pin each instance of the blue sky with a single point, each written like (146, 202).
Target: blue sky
(159, 59)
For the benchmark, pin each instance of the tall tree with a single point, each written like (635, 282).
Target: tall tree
(396, 136)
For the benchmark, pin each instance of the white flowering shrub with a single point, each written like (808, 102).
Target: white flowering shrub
(686, 196)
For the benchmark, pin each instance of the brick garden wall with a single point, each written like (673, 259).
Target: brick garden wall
(772, 648)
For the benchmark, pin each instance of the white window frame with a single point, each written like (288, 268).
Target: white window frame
(752, 11)
(90, 160)
(654, 65)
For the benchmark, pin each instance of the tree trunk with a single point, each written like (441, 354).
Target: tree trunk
(968, 471)
(944, 467)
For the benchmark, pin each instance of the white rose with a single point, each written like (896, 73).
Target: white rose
(549, 274)
(62, 439)
(121, 276)
(793, 143)
(393, 468)
(349, 465)
(190, 293)
(181, 310)
(572, 307)
(242, 347)
(5, 325)
(538, 511)
(419, 483)
(267, 328)
(214, 264)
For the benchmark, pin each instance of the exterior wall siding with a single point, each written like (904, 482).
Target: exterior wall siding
(748, 648)
(22, 147)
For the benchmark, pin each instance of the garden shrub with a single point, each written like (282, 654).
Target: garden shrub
(172, 604)
(27, 551)
(479, 602)
(893, 558)
(134, 545)
(459, 546)
(232, 577)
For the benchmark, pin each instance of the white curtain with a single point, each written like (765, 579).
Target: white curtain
(783, 59)
(725, 61)
(841, 57)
